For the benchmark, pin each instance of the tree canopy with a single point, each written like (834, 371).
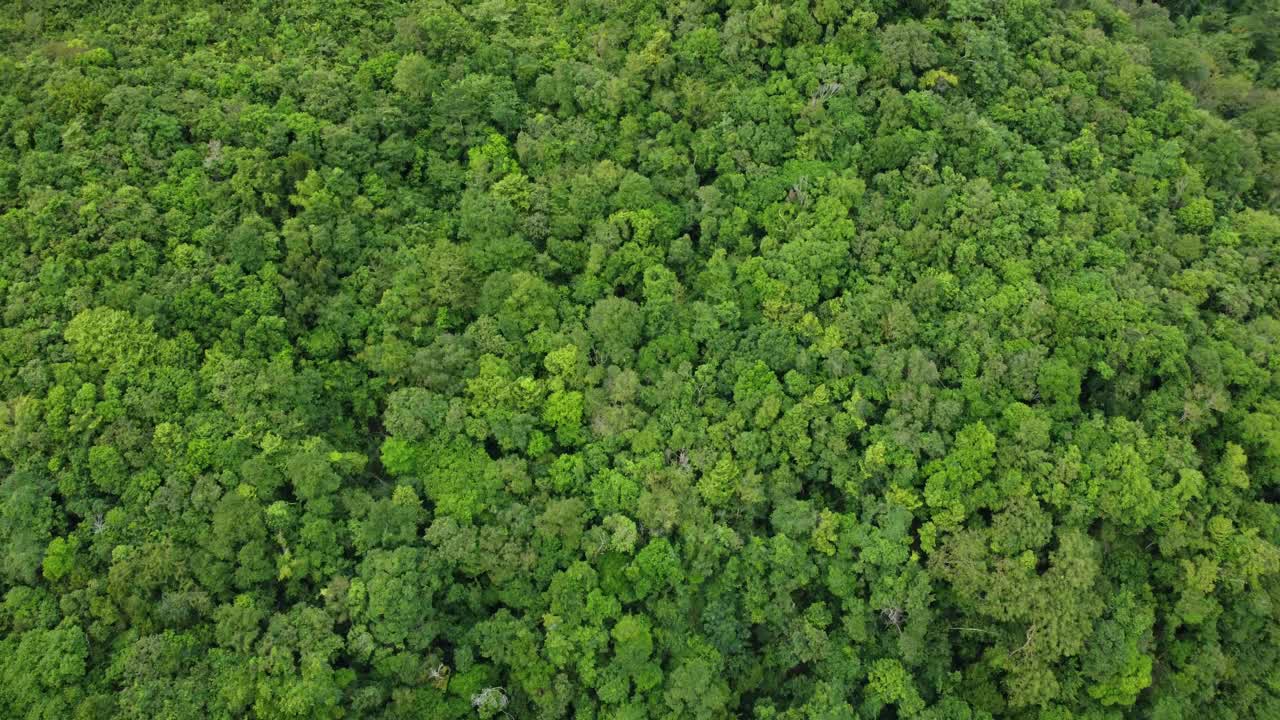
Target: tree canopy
(770, 359)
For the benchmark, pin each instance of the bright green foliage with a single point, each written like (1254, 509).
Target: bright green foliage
(713, 359)
(889, 682)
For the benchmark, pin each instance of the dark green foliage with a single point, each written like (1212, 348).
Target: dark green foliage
(694, 359)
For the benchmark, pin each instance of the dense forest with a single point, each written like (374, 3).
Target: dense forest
(765, 359)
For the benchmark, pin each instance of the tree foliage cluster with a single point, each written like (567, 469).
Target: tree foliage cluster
(769, 359)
